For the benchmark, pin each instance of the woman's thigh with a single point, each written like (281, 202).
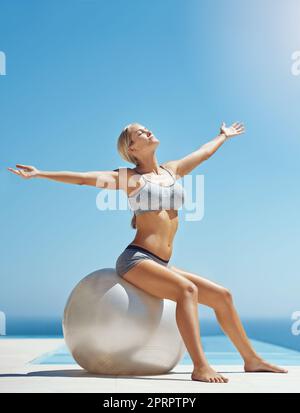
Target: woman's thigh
(159, 280)
(209, 292)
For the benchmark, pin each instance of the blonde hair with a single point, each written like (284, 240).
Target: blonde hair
(124, 141)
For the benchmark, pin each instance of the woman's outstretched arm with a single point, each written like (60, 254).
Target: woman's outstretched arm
(28, 171)
(185, 165)
(102, 179)
(67, 177)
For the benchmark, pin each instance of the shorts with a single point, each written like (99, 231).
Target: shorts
(131, 255)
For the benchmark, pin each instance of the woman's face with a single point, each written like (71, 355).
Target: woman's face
(142, 139)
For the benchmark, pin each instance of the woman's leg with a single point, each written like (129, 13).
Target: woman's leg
(162, 282)
(231, 324)
(220, 299)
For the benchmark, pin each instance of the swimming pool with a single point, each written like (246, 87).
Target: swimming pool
(218, 349)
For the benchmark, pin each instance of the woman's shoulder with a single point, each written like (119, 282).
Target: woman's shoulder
(171, 166)
(123, 170)
(132, 179)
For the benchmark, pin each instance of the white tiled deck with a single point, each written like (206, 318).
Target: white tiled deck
(17, 374)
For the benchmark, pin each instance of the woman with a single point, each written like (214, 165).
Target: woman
(145, 261)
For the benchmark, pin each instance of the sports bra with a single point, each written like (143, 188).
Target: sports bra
(153, 196)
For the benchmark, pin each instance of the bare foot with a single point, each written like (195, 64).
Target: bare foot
(258, 364)
(208, 374)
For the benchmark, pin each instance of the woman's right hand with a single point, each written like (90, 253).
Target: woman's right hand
(25, 171)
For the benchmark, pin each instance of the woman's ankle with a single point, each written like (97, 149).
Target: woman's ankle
(202, 365)
(251, 357)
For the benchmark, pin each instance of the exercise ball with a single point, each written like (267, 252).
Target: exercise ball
(112, 327)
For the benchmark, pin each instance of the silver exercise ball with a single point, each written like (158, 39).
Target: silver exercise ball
(112, 327)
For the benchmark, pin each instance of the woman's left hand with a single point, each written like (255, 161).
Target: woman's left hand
(235, 129)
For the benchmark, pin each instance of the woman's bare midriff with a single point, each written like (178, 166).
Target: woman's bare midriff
(156, 231)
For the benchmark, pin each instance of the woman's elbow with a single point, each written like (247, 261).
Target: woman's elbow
(87, 179)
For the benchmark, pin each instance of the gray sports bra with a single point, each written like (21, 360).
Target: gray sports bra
(153, 196)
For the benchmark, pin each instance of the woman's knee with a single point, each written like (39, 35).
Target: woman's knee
(226, 296)
(188, 290)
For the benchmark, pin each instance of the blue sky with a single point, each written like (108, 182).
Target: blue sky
(78, 71)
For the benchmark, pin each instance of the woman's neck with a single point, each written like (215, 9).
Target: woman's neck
(147, 167)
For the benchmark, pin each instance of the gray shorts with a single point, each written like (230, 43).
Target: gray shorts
(131, 255)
